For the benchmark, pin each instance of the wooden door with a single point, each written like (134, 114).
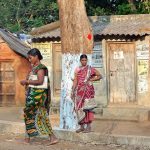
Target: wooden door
(7, 83)
(122, 83)
(57, 68)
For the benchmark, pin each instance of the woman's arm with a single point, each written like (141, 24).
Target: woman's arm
(97, 76)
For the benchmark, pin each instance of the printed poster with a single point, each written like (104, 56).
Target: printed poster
(142, 86)
(143, 68)
(118, 55)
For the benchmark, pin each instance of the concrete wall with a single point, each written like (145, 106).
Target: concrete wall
(143, 75)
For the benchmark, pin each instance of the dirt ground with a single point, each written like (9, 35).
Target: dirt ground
(10, 142)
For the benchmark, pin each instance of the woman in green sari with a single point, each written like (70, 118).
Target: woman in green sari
(37, 99)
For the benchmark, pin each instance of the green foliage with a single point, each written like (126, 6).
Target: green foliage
(98, 11)
(144, 7)
(120, 7)
(13, 27)
(23, 15)
(125, 9)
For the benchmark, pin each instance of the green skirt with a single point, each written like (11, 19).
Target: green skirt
(35, 113)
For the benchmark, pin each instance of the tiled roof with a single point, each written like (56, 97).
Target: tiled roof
(122, 25)
(106, 25)
(51, 30)
(51, 34)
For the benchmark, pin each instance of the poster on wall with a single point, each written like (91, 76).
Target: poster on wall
(142, 51)
(142, 86)
(118, 55)
(97, 58)
(45, 50)
(142, 47)
(143, 68)
(142, 54)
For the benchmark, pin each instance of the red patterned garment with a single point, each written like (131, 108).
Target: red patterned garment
(84, 91)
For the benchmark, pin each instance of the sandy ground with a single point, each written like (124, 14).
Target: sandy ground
(10, 142)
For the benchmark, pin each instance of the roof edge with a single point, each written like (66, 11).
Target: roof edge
(45, 28)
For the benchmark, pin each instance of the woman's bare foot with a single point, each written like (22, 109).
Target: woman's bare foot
(80, 130)
(53, 139)
(88, 129)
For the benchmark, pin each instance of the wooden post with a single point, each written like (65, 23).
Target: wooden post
(76, 39)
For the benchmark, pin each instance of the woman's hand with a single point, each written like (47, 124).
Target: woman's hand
(96, 77)
(24, 82)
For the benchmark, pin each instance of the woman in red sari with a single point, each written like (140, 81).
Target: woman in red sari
(84, 79)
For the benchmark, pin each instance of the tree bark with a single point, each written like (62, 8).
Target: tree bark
(76, 32)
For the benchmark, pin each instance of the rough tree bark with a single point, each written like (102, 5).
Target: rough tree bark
(76, 39)
(75, 27)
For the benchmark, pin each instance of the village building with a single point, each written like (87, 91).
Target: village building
(121, 53)
(13, 68)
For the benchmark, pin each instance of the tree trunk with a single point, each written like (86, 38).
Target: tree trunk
(76, 32)
(76, 39)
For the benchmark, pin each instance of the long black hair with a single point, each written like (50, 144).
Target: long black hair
(83, 56)
(35, 52)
